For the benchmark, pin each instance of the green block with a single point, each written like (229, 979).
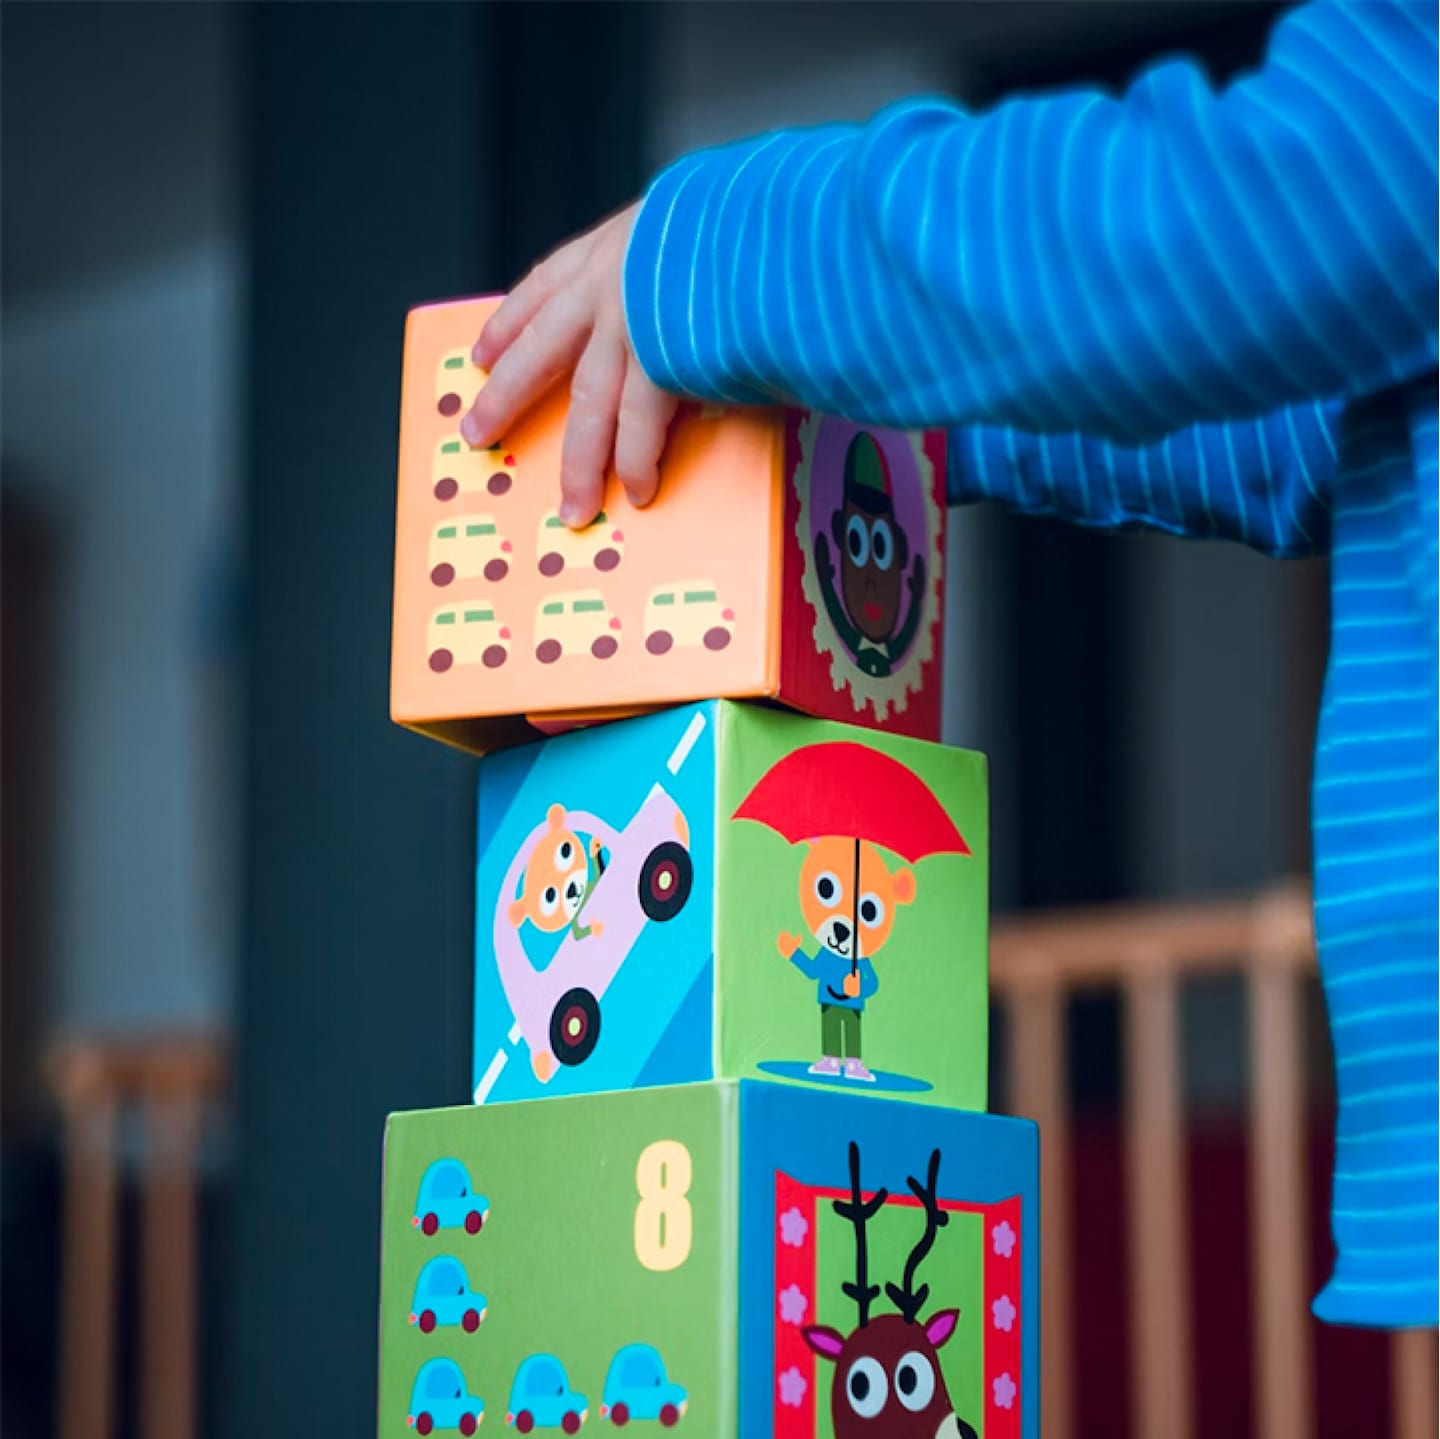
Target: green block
(687, 1258)
(676, 898)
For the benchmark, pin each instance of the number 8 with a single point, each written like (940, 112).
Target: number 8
(662, 1218)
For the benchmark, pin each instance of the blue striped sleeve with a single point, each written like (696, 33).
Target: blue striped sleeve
(1264, 482)
(1119, 267)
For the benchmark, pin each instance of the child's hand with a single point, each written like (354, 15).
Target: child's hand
(851, 985)
(787, 944)
(569, 313)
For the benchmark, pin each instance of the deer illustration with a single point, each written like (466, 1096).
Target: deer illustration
(888, 1383)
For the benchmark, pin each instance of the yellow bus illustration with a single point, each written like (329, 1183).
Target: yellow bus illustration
(574, 623)
(467, 547)
(467, 634)
(457, 381)
(688, 615)
(460, 469)
(597, 546)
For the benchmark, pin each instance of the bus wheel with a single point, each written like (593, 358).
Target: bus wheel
(441, 660)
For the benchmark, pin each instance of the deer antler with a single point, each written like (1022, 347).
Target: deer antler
(909, 1300)
(858, 1211)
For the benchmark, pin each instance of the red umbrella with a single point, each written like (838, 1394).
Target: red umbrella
(844, 788)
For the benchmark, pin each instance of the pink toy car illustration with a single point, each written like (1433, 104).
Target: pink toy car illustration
(646, 878)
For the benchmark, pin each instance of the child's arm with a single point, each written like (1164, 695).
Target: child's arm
(1264, 482)
(1124, 268)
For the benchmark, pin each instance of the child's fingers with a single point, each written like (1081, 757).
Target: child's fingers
(544, 350)
(523, 303)
(590, 429)
(645, 415)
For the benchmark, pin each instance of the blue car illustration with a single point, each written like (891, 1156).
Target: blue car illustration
(637, 1387)
(541, 1397)
(440, 1400)
(448, 1200)
(443, 1296)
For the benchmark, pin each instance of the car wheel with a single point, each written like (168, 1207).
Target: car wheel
(430, 1223)
(494, 656)
(469, 1423)
(473, 1221)
(448, 405)
(603, 646)
(717, 638)
(423, 1423)
(571, 1423)
(446, 489)
(496, 570)
(620, 1414)
(470, 1320)
(606, 560)
(498, 483)
(575, 1027)
(441, 660)
(524, 1421)
(441, 575)
(658, 642)
(669, 1415)
(427, 1321)
(548, 651)
(665, 880)
(551, 564)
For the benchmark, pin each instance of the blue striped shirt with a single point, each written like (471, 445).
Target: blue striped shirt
(1210, 313)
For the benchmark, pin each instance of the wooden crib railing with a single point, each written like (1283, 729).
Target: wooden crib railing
(148, 1097)
(1146, 954)
(1037, 965)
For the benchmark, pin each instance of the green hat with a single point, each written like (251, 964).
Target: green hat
(865, 468)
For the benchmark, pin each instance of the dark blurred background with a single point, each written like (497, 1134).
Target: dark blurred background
(214, 218)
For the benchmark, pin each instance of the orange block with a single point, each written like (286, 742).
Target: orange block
(790, 556)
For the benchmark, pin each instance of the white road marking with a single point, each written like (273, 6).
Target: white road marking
(487, 1080)
(681, 752)
(514, 1035)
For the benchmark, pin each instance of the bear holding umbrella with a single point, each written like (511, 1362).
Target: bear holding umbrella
(846, 804)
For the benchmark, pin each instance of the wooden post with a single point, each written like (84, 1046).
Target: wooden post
(1413, 1381)
(1159, 1273)
(89, 1296)
(171, 1115)
(1037, 1065)
(1284, 1402)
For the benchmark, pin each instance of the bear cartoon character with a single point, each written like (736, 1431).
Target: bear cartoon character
(849, 898)
(559, 878)
(877, 607)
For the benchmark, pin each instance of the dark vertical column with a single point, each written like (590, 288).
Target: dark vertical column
(399, 153)
(367, 180)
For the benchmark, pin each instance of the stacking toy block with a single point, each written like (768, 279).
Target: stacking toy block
(789, 556)
(677, 897)
(730, 1260)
